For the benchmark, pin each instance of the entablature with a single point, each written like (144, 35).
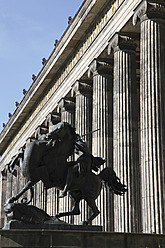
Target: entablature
(104, 26)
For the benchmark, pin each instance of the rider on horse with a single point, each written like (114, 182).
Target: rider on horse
(83, 165)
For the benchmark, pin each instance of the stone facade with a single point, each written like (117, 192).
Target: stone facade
(105, 77)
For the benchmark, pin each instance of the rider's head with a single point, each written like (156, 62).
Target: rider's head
(97, 162)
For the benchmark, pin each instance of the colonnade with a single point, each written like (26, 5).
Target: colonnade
(104, 110)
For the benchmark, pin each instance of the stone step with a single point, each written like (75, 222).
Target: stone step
(78, 239)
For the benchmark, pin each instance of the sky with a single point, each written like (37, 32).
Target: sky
(28, 30)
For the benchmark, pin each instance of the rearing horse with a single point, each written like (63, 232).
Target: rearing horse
(46, 159)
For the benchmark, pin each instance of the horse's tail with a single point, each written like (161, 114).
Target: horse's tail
(109, 177)
(25, 200)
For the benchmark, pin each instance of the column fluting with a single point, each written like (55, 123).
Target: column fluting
(82, 90)
(125, 133)
(152, 114)
(83, 109)
(101, 71)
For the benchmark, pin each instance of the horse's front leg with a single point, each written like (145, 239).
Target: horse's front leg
(25, 188)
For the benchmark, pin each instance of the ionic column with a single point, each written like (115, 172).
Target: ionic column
(82, 90)
(67, 108)
(102, 130)
(152, 114)
(125, 133)
(83, 110)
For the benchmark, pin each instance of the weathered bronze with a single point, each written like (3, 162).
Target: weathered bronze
(45, 159)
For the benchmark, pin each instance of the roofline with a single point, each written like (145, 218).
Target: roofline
(42, 79)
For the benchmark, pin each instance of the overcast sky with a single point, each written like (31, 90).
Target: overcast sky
(28, 30)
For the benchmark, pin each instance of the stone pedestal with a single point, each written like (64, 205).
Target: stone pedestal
(55, 225)
(125, 133)
(152, 117)
(102, 130)
(78, 238)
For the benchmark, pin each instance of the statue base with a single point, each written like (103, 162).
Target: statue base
(23, 216)
(78, 239)
(55, 225)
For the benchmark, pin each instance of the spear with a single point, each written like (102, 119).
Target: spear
(90, 132)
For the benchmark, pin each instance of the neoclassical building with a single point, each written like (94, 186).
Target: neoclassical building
(106, 77)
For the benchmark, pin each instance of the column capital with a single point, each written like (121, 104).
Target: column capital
(81, 87)
(100, 67)
(67, 104)
(121, 42)
(52, 119)
(148, 10)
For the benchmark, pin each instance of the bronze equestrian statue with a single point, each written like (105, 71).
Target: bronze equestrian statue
(45, 159)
